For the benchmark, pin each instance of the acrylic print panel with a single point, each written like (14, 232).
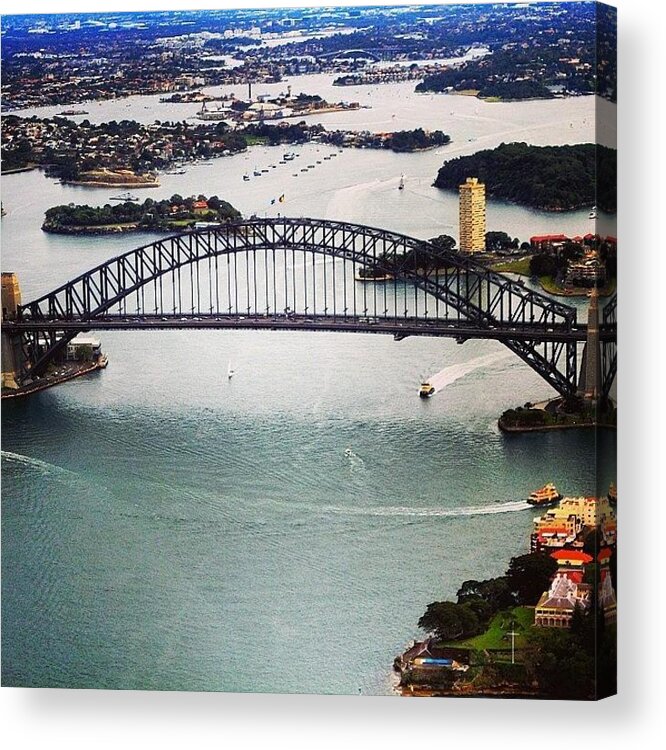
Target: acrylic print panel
(208, 482)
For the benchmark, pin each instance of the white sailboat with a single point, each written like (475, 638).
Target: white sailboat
(593, 213)
(230, 371)
(401, 184)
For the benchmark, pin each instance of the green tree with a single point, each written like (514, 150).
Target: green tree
(562, 667)
(494, 591)
(497, 241)
(528, 576)
(449, 621)
(443, 243)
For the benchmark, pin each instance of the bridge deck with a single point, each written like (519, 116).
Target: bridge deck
(402, 327)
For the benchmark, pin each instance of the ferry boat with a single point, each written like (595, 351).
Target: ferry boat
(73, 112)
(546, 495)
(426, 390)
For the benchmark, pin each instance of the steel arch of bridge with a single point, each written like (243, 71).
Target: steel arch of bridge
(474, 301)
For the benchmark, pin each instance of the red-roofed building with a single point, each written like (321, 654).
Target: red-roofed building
(200, 207)
(543, 242)
(552, 537)
(557, 605)
(567, 590)
(572, 557)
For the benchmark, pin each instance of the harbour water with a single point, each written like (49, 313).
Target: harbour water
(167, 527)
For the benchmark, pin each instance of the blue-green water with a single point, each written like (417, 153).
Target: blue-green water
(169, 529)
(164, 527)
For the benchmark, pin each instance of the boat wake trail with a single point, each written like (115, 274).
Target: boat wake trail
(35, 463)
(510, 507)
(454, 372)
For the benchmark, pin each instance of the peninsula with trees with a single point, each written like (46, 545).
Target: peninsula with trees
(544, 629)
(127, 153)
(549, 178)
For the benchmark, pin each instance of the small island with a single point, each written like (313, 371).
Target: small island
(121, 178)
(175, 214)
(548, 178)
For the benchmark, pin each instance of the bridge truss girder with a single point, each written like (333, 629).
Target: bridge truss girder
(468, 291)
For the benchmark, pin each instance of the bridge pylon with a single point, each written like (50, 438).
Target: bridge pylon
(13, 360)
(589, 386)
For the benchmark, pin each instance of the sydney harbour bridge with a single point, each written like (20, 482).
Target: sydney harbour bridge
(317, 275)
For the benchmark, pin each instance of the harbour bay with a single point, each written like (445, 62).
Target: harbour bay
(166, 528)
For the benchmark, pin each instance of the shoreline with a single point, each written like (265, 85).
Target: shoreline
(50, 381)
(18, 170)
(101, 183)
(578, 291)
(545, 428)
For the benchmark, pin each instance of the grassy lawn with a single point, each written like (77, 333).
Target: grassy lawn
(178, 223)
(522, 619)
(548, 285)
(256, 140)
(520, 266)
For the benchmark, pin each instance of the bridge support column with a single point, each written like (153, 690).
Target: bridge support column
(589, 387)
(12, 353)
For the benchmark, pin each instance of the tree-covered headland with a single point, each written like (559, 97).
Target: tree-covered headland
(551, 178)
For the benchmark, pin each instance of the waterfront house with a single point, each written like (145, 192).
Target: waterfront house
(84, 347)
(548, 242)
(567, 590)
(589, 271)
(566, 524)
